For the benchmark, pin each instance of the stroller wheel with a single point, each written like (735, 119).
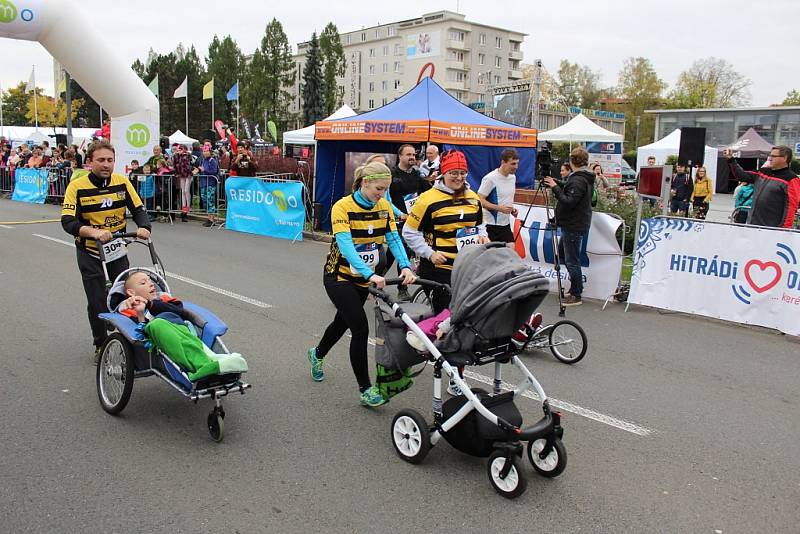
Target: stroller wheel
(551, 464)
(514, 483)
(410, 436)
(114, 375)
(216, 425)
(568, 341)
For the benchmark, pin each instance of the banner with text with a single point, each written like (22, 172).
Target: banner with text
(30, 185)
(736, 273)
(601, 256)
(609, 156)
(265, 208)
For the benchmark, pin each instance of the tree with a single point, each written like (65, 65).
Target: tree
(578, 85)
(710, 83)
(88, 115)
(224, 64)
(792, 98)
(333, 66)
(15, 105)
(50, 111)
(269, 75)
(313, 89)
(641, 88)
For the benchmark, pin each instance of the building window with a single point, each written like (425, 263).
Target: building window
(498, 42)
(397, 50)
(371, 52)
(497, 62)
(371, 103)
(390, 31)
(397, 66)
(480, 97)
(481, 59)
(386, 50)
(384, 102)
(363, 36)
(456, 35)
(371, 87)
(385, 68)
(482, 39)
(384, 86)
(377, 33)
(496, 79)
(372, 70)
(515, 46)
(347, 39)
(456, 55)
(398, 85)
(456, 76)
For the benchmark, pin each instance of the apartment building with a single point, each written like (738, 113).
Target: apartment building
(385, 61)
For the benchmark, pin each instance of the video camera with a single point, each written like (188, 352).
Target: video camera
(544, 161)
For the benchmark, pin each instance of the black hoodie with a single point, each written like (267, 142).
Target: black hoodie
(574, 206)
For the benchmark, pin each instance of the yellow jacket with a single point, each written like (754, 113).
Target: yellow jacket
(702, 188)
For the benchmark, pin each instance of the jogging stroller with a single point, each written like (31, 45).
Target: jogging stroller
(493, 293)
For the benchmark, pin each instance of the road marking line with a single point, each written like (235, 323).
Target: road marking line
(588, 413)
(202, 285)
(31, 222)
(6, 227)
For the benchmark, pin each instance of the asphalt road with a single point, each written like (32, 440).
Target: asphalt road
(676, 424)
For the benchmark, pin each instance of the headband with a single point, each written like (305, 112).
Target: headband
(377, 176)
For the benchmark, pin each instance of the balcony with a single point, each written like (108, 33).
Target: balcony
(457, 45)
(458, 64)
(515, 55)
(514, 74)
(454, 85)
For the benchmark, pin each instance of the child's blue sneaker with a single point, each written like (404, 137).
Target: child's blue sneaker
(372, 397)
(316, 365)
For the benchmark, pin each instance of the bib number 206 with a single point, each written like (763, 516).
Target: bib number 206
(466, 236)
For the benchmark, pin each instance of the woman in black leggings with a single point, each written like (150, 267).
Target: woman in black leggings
(362, 223)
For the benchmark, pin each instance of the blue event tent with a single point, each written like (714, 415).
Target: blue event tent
(425, 114)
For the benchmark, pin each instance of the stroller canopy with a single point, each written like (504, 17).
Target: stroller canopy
(493, 293)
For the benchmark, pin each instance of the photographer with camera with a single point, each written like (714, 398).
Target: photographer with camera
(574, 216)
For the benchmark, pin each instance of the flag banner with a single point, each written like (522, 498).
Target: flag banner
(181, 91)
(208, 90)
(31, 85)
(233, 92)
(62, 86)
(153, 86)
(736, 273)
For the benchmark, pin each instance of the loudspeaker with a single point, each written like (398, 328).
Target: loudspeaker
(693, 146)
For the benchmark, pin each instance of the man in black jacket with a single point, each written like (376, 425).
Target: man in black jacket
(574, 217)
(776, 191)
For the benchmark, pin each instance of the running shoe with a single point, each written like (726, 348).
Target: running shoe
(572, 300)
(372, 397)
(316, 365)
(453, 389)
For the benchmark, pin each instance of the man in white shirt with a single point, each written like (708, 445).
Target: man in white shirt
(497, 197)
(429, 169)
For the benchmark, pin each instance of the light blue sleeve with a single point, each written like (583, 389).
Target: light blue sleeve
(396, 211)
(398, 250)
(348, 250)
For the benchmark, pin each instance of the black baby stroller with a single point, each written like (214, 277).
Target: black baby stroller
(493, 293)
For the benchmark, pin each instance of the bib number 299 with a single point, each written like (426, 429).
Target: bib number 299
(370, 254)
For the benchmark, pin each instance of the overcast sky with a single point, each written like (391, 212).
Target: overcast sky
(758, 38)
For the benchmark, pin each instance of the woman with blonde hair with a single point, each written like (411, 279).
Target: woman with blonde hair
(701, 194)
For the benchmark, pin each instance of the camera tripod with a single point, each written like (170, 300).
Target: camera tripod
(552, 227)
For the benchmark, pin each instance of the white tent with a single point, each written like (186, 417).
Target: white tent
(669, 146)
(181, 138)
(580, 129)
(23, 134)
(305, 136)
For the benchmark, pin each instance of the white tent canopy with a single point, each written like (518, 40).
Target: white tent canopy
(23, 134)
(180, 138)
(305, 136)
(581, 129)
(669, 146)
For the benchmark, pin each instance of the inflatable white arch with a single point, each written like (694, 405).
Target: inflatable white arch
(65, 30)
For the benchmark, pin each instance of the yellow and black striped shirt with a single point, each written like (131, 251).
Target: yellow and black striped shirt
(367, 226)
(439, 216)
(89, 202)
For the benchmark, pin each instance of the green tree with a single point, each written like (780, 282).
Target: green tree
(792, 98)
(15, 105)
(51, 112)
(639, 84)
(710, 83)
(333, 67)
(225, 64)
(313, 87)
(578, 85)
(88, 115)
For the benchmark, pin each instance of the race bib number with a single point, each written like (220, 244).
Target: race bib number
(466, 236)
(410, 200)
(370, 254)
(114, 250)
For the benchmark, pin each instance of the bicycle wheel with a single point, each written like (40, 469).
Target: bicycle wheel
(568, 342)
(419, 297)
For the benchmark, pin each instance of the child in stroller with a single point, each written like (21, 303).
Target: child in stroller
(165, 324)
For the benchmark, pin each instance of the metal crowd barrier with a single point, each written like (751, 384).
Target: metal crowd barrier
(6, 182)
(164, 199)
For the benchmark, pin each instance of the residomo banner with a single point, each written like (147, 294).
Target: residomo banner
(271, 209)
(736, 273)
(30, 185)
(601, 256)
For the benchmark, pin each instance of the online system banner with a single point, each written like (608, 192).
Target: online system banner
(601, 256)
(271, 209)
(736, 273)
